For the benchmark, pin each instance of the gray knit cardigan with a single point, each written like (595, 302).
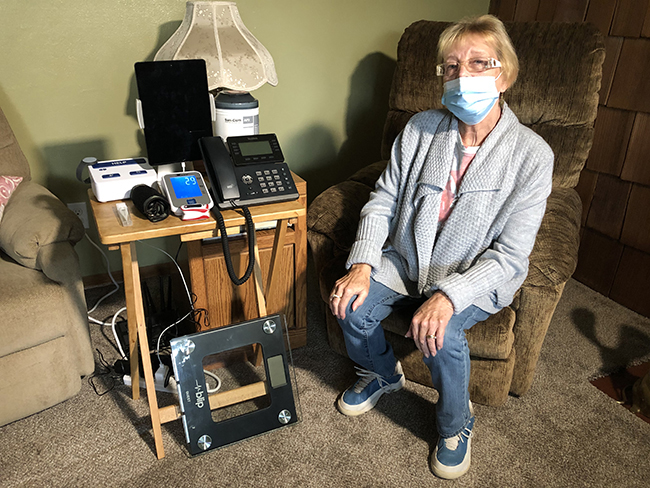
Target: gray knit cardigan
(480, 255)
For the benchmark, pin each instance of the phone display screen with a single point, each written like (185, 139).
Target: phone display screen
(185, 186)
(255, 148)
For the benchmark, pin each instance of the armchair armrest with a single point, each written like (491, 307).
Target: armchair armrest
(34, 219)
(555, 254)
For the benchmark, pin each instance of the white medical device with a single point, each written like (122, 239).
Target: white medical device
(187, 194)
(113, 180)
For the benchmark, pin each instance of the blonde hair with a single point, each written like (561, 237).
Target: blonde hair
(493, 32)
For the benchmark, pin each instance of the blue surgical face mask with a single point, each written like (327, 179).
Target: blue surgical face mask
(470, 98)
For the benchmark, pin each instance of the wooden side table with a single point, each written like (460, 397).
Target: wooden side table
(115, 236)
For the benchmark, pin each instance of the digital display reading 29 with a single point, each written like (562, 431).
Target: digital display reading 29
(185, 186)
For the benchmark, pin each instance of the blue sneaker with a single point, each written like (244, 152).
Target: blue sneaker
(367, 391)
(452, 455)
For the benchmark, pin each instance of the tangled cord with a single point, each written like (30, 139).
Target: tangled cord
(104, 370)
(198, 316)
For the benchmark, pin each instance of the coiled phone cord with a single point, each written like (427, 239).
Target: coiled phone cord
(250, 235)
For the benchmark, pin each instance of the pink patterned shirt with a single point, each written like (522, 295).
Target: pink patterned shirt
(461, 163)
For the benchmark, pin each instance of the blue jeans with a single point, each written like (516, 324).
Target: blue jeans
(367, 346)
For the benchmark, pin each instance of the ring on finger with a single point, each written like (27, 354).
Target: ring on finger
(431, 337)
(334, 296)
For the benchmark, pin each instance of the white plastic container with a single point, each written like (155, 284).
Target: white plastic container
(237, 114)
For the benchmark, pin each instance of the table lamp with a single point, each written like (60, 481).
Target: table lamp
(236, 62)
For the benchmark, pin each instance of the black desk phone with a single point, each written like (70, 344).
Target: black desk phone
(253, 172)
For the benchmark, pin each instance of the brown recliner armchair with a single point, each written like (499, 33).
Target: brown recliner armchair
(44, 339)
(556, 95)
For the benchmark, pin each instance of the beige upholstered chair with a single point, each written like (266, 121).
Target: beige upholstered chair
(44, 341)
(556, 95)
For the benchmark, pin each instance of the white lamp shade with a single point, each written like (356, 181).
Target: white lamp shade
(214, 31)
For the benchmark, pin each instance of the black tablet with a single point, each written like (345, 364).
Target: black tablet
(175, 108)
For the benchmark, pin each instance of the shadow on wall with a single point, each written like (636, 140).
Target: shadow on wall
(370, 85)
(62, 161)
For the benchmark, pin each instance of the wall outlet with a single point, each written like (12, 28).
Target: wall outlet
(81, 211)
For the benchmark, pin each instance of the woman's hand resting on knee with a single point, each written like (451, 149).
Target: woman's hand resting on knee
(355, 283)
(429, 323)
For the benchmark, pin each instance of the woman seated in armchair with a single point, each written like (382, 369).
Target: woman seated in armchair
(448, 228)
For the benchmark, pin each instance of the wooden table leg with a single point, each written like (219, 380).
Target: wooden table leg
(135, 314)
(278, 247)
(260, 298)
(132, 297)
(257, 279)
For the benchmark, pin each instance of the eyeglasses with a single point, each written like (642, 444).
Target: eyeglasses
(473, 65)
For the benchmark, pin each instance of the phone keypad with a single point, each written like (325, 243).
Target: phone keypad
(262, 183)
(273, 181)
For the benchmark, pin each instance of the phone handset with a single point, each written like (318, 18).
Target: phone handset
(218, 164)
(221, 173)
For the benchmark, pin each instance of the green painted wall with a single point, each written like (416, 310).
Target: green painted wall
(67, 84)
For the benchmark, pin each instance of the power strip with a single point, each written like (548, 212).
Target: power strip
(159, 380)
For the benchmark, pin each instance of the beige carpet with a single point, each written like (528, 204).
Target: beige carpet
(563, 433)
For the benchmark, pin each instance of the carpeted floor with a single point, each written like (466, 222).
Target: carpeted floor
(564, 432)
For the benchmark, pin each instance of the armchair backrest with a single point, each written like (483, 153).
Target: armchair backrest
(12, 159)
(556, 93)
